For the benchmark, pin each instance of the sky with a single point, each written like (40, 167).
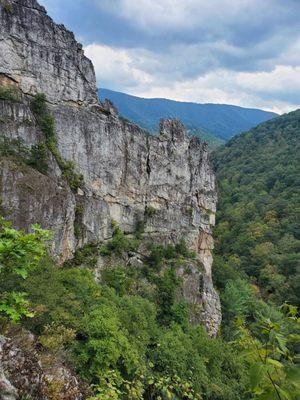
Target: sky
(242, 52)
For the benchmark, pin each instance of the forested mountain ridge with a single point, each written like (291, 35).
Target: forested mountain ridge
(214, 123)
(106, 288)
(258, 219)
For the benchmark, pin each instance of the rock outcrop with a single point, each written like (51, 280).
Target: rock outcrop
(26, 372)
(126, 173)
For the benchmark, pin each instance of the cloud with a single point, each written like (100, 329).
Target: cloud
(229, 87)
(240, 22)
(118, 67)
(245, 52)
(126, 70)
(283, 82)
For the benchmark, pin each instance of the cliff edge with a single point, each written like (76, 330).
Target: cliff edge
(95, 168)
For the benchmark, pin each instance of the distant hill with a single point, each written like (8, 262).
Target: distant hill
(215, 123)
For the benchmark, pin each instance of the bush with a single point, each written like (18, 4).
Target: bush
(38, 158)
(47, 126)
(9, 93)
(139, 229)
(20, 253)
(160, 253)
(119, 244)
(85, 256)
(150, 211)
(7, 7)
(38, 105)
(14, 148)
(167, 285)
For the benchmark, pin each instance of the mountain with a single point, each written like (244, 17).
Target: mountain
(258, 229)
(214, 123)
(106, 239)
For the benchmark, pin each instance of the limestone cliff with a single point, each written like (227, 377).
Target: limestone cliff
(125, 172)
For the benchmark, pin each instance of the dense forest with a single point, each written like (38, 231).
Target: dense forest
(258, 231)
(128, 336)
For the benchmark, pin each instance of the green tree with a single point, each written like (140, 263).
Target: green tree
(20, 253)
(271, 359)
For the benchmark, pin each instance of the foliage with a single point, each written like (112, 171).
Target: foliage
(38, 158)
(139, 229)
(86, 255)
(273, 374)
(46, 123)
(150, 211)
(121, 343)
(257, 231)
(55, 338)
(14, 148)
(78, 218)
(256, 262)
(9, 93)
(7, 7)
(19, 254)
(119, 244)
(129, 347)
(159, 254)
(35, 157)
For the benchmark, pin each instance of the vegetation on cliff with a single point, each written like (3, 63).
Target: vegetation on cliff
(129, 337)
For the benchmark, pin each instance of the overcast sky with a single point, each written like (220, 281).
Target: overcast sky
(243, 52)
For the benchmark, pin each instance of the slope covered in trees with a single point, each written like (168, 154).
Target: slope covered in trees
(258, 222)
(128, 337)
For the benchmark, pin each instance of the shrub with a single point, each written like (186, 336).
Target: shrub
(55, 338)
(14, 148)
(119, 244)
(166, 287)
(86, 255)
(38, 105)
(160, 253)
(117, 278)
(35, 157)
(9, 93)
(150, 211)
(38, 158)
(47, 126)
(19, 254)
(77, 221)
(139, 229)
(7, 7)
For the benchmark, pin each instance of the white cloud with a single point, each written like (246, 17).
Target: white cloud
(143, 73)
(114, 66)
(283, 79)
(222, 87)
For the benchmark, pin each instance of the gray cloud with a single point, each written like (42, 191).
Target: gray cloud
(152, 47)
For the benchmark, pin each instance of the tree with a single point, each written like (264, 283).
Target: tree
(19, 254)
(270, 356)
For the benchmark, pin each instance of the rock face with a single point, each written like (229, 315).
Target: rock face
(127, 174)
(25, 373)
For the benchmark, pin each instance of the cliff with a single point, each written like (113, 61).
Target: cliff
(99, 168)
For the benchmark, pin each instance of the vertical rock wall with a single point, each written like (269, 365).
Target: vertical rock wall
(125, 171)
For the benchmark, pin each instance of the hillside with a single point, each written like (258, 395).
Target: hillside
(214, 123)
(257, 229)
